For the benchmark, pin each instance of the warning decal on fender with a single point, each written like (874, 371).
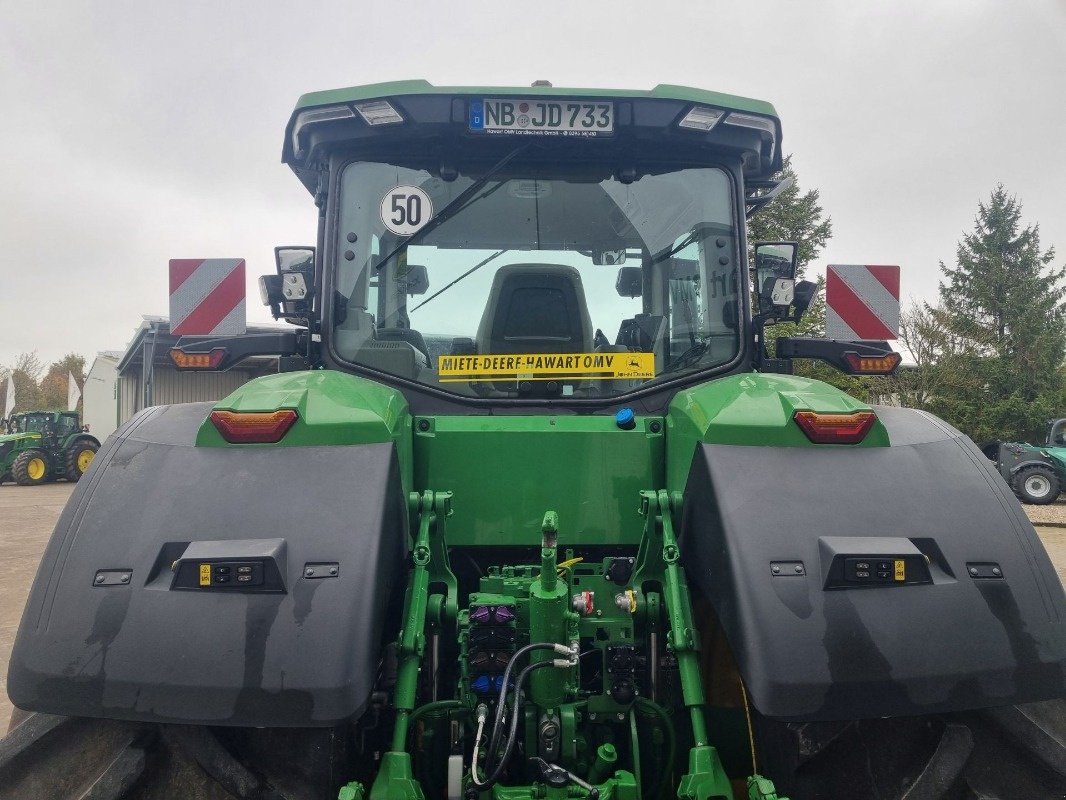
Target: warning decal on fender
(547, 366)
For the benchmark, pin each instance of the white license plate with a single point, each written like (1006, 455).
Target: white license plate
(553, 117)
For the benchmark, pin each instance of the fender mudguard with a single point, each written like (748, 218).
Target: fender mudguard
(1013, 459)
(118, 625)
(775, 538)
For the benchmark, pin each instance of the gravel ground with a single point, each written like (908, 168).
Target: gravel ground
(1054, 514)
(28, 514)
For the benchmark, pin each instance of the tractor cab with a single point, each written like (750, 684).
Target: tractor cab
(515, 245)
(1056, 436)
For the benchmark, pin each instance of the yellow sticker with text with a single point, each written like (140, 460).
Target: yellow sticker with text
(205, 574)
(901, 570)
(547, 366)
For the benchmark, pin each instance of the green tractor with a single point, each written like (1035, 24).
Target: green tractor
(1037, 474)
(45, 446)
(532, 514)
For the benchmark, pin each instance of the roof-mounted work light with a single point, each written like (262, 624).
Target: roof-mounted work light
(314, 116)
(378, 112)
(701, 118)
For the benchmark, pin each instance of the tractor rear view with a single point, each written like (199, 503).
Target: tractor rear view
(541, 518)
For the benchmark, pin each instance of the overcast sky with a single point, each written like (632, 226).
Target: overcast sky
(136, 132)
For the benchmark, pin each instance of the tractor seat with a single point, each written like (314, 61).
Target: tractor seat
(535, 308)
(412, 337)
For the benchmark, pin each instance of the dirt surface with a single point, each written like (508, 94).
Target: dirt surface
(28, 514)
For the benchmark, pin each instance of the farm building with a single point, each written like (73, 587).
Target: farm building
(121, 384)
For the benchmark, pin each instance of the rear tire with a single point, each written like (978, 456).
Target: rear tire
(1036, 485)
(994, 754)
(79, 457)
(30, 468)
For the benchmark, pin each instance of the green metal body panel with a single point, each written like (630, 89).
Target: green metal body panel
(753, 410)
(334, 408)
(504, 471)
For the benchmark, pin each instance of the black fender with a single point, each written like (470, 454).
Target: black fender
(1046, 461)
(117, 625)
(978, 619)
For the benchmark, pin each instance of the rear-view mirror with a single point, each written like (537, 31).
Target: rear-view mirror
(289, 294)
(294, 259)
(775, 276)
(415, 278)
(608, 257)
(630, 282)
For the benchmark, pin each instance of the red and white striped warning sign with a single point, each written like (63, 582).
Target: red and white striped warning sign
(862, 302)
(207, 297)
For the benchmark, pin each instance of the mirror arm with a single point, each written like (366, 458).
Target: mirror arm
(835, 351)
(759, 202)
(239, 348)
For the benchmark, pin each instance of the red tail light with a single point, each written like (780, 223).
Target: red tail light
(211, 360)
(835, 428)
(253, 427)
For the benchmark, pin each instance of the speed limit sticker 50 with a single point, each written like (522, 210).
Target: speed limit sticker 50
(405, 209)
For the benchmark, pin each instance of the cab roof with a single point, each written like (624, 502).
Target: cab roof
(317, 106)
(664, 91)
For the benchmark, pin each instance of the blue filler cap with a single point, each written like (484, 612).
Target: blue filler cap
(626, 419)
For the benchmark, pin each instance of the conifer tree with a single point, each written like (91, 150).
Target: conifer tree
(1002, 306)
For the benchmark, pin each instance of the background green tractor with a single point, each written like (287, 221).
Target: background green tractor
(537, 517)
(45, 446)
(1037, 474)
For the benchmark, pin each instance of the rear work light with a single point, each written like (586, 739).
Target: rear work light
(253, 427)
(211, 360)
(378, 112)
(835, 428)
(701, 118)
(873, 365)
(325, 114)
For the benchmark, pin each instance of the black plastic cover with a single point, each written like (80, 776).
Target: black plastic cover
(95, 644)
(812, 650)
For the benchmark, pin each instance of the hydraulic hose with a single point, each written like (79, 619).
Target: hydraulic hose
(494, 739)
(432, 708)
(656, 710)
(512, 734)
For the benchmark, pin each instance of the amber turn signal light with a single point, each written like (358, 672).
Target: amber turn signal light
(835, 428)
(872, 365)
(211, 360)
(253, 427)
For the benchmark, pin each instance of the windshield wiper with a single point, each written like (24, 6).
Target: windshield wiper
(454, 207)
(677, 248)
(690, 356)
(470, 271)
